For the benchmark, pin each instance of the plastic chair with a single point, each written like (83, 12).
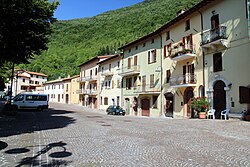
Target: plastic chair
(211, 112)
(224, 113)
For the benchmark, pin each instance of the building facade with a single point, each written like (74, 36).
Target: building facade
(55, 90)
(110, 82)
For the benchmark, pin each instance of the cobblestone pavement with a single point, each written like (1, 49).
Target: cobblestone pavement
(69, 135)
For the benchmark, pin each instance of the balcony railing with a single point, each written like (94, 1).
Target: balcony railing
(88, 78)
(107, 73)
(81, 91)
(183, 80)
(129, 70)
(182, 53)
(213, 35)
(148, 89)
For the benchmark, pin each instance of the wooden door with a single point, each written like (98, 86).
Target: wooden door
(95, 102)
(219, 98)
(169, 105)
(188, 95)
(145, 104)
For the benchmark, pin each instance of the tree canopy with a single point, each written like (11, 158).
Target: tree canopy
(24, 29)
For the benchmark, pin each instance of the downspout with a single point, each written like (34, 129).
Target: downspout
(203, 55)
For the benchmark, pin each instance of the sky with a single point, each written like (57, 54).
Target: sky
(73, 9)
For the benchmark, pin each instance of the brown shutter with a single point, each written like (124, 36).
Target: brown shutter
(135, 60)
(129, 63)
(191, 41)
(183, 42)
(151, 80)
(148, 57)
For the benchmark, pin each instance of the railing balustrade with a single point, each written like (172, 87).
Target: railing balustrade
(214, 34)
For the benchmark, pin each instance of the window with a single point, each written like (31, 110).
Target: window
(187, 25)
(23, 88)
(215, 21)
(168, 75)
(118, 64)
(169, 49)
(152, 56)
(129, 50)
(244, 93)
(37, 76)
(67, 87)
(135, 60)
(90, 72)
(62, 96)
(135, 80)
(165, 51)
(152, 81)
(118, 83)
(96, 71)
(167, 35)
(23, 80)
(128, 83)
(31, 75)
(102, 69)
(155, 101)
(118, 100)
(59, 86)
(144, 44)
(105, 101)
(153, 41)
(136, 48)
(217, 60)
(129, 63)
(101, 100)
(109, 67)
(37, 82)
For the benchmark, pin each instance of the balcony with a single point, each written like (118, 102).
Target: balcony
(88, 78)
(130, 70)
(215, 37)
(148, 89)
(182, 53)
(107, 73)
(183, 80)
(81, 91)
(92, 92)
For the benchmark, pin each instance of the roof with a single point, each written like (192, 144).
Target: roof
(69, 78)
(54, 81)
(108, 59)
(95, 58)
(22, 75)
(170, 23)
(36, 73)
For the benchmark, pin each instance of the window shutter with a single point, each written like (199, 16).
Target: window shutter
(191, 41)
(183, 42)
(170, 49)
(155, 55)
(129, 63)
(165, 51)
(148, 57)
(135, 61)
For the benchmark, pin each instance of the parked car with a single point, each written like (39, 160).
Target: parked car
(115, 110)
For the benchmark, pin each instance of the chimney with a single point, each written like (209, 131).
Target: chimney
(179, 12)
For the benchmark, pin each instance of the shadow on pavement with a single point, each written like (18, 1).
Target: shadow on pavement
(35, 160)
(31, 121)
(3, 145)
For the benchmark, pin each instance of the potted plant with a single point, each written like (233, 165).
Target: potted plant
(200, 105)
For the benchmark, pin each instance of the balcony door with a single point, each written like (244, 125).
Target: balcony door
(190, 76)
(215, 22)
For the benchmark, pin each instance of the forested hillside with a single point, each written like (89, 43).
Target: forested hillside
(76, 41)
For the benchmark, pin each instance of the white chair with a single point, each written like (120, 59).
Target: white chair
(211, 112)
(224, 113)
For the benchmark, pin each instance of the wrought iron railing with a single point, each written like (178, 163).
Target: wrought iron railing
(214, 34)
(129, 69)
(182, 79)
(148, 88)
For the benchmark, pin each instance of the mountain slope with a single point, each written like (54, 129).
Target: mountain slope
(76, 41)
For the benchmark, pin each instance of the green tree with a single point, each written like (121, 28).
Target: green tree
(24, 29)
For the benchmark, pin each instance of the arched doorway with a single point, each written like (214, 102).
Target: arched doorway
(145, 104)
(169, 105)
(219, 98)
(188, 95)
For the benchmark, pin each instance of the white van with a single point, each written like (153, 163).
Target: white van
(31, 101)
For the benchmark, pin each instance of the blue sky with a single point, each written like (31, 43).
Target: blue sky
(72, 9)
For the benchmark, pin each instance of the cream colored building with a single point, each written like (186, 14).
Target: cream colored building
(225, 42)
(55, 90)
(110, 82)
(70, 87)
(88, 89)
(141, 75)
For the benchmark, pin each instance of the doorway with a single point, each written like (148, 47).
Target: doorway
(169, 105)
(219, 98)
(67, 98)
(145, 104)
(188, 95)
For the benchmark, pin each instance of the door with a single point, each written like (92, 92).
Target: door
(184, 74)
(219, 98)
(169, 105)
(95, 102)
(67, 98)
(144, 83)
(145, 104)
(188, 95)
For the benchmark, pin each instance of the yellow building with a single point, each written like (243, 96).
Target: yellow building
(70, 87)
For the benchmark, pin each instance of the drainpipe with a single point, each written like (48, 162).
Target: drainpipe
(203, 55)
